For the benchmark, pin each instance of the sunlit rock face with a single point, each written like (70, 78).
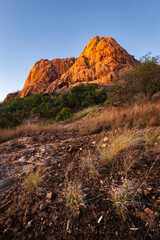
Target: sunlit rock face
(10, 96)
(43, 74)
(102, 60)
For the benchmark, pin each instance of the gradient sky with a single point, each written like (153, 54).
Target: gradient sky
(35, 29)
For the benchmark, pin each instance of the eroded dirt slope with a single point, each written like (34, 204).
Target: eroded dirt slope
(43, 213)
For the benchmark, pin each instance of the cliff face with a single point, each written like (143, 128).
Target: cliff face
(102, 60)
(43, 74)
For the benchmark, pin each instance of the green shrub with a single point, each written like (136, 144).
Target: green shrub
(64, 114)
(144, 79)
(148, 76)
(52, 106)
(84, 96)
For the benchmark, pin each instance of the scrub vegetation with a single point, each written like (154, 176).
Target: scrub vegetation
(56, 107)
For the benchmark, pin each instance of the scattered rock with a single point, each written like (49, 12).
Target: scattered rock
(116, 233)
(42, 207)
(147, 210)
(23, 159)
(30, 224)
(103, 145)
(49, 195)
(145, 192)
(105, 139)
(44, 150)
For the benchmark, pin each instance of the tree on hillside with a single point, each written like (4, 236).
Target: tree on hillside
(145, 78)
(148, 75)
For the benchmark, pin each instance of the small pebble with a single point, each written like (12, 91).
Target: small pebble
(103, 145)
(30, 223)
(105, 139)
(145, 192)
(49, 195)
(147, 210)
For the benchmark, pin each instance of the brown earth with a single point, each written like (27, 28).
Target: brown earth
(43, 213)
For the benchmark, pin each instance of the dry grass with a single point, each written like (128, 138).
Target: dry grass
(33, 180)
(74, 196)
(24, 130)
(152, 141)
(20, 131)
(84, 112)
(120, 195)
(138, 115)
(118, 144)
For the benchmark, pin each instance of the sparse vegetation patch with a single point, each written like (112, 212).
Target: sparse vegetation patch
(74, 196)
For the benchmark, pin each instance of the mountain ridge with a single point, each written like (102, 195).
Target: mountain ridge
(101, 61)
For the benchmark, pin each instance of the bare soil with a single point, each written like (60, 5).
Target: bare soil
(32, 215)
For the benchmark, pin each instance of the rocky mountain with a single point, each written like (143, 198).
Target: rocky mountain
(43, 73)
(102, 60)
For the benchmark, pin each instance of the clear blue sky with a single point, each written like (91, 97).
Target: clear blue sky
(35, 29)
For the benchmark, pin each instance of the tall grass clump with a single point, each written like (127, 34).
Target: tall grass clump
(120, 195)
(74, 196)
(118, 144)
(33, 180)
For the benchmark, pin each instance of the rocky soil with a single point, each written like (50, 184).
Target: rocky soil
(43, 213)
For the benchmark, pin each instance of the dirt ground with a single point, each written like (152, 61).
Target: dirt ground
(43, 212)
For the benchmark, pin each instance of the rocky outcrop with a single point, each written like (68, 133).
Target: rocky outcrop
(11, 96)
(43, 74)
(102, 60)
